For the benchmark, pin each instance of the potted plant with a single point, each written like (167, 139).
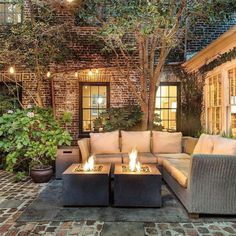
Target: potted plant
(30, 138)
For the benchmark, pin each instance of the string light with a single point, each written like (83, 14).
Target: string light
(11, 70)
(48, 74)
(90, 73)
(96, 71)
(76, 74)
(70, 1)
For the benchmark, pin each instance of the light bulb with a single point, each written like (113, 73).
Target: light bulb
(48, 74)
(69, 1)
(76, 74)
(11, 70)
(96, 71)
(90, 72)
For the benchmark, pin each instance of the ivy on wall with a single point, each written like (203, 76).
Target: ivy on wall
(221, 59)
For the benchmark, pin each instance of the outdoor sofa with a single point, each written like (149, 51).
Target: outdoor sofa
(201, 173)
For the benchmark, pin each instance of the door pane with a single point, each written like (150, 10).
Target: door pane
(94, 91)
(86, 91)
(86, 102)
(102, 91)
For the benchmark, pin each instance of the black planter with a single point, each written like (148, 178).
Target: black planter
(41, 175)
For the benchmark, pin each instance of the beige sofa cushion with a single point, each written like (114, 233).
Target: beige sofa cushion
(84, 146)
(135, 139)
(165, 142)
(179, 170)
(145, 158)
(189, 144)
(167, 156)
(104, 143)
(108, 158)
(224, 146)
(205, 144)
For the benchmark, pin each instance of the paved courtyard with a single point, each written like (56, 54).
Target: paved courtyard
(15, 197)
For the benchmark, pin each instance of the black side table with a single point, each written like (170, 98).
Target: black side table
(66, 156)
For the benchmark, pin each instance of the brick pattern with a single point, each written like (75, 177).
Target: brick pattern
(203, 34)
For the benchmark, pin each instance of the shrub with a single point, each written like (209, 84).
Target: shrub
(117, 118)
(30, 138)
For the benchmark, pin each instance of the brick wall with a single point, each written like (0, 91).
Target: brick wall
(65, 86)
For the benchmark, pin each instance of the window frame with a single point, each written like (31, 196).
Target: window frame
(213, 105)
(81, 84)
(4, 19)
(178, 109)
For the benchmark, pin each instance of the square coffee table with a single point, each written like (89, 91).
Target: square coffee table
(86, 188)
(137, 189)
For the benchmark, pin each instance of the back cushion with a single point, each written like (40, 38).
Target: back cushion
(224, 146)
(205, 144)
(165, 142)
(135, 139)
(104, 143)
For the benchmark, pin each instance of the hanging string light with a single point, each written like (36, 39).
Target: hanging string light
(48, 74)
(11, 70)
(76, 75)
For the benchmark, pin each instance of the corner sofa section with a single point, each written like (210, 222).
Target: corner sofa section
(201, 173)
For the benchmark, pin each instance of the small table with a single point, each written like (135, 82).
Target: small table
(86, 188)
(137, 189)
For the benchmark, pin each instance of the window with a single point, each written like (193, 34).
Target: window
(167, 105)
(10, 12)
(214, 104)
(94, 99)
(232, 94)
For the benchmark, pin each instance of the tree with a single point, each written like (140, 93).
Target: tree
(155, 27)
(38, 42)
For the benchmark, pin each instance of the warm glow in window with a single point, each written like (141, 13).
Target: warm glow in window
(94, 102)
(214, 104)
(166, 106)
(232, 83)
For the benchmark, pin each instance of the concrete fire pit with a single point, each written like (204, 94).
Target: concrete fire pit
(137, 189)
(86, 188)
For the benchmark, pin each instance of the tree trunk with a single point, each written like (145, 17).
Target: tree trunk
(145, 117)
(38, 92)
(151, 106)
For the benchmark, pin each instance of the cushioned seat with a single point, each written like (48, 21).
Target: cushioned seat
(144, 157)
(108, 158)
(168, 156)
(179, 169)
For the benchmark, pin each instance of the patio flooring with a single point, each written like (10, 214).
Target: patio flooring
(15, 197)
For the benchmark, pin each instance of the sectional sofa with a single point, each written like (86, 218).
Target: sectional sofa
(201, 173)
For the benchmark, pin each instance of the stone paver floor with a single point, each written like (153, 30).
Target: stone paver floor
(15, 197)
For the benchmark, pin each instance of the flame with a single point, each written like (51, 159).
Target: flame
(138, 166)
(133, 164)
(89, 165)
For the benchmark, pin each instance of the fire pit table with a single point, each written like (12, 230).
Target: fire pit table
(86, 188)
(137, 189)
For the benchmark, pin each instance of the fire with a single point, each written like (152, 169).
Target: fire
(89, 165)
(134, 165)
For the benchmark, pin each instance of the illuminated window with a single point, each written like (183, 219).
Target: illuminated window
(167, 106)
(232, 83)
(214, 104)
(94, 100)
(10, 12)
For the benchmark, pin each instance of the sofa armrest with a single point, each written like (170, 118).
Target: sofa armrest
(212, 184)
(188, 144)
(84, 146)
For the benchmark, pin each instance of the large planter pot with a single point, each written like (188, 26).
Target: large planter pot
(41, 175)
